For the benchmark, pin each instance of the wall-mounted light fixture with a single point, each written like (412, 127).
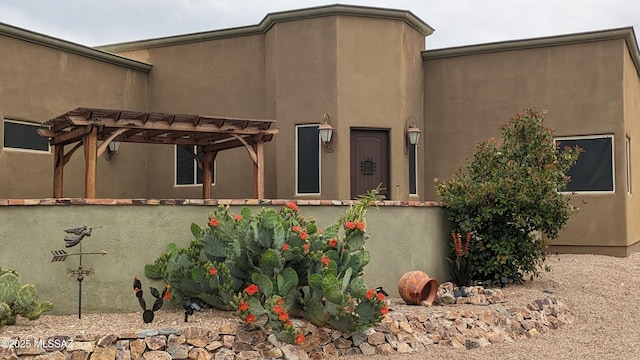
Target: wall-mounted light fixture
(412, 136)
(112, 149)
(326, 133)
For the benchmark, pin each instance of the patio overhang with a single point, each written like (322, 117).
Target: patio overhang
(94, 129)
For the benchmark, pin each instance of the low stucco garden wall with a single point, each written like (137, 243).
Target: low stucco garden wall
(404, 236)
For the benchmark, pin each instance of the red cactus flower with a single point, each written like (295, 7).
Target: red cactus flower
(299, 339)
(213, 271)
(238, 217)
(370, 294)
(283, 316)
(350, 225)
(325, 260)
(167, 294)
(279, 301)
(213, 222)
(380, 297)
(295, 228)
(285, 247)
(384, 310)
(277, 309)
(250, 318)
(292, 206)
(319, 231)
(333, 242)
(244, 306)
(304, 235)
(306, 248)
(251, 289)
(360, 225)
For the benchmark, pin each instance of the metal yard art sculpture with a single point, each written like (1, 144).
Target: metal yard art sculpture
(75, 237)
(147, 315)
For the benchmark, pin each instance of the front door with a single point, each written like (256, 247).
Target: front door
(369, 161)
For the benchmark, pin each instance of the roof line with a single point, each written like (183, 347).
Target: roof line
(74, 48)
(625, 33)
(271, 19)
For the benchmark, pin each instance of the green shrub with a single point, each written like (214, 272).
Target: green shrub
(508, 196)
(275, 265)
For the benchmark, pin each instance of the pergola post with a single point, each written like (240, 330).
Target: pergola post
(58, 170)
(90, 157)
(207, 173)
(258, 170)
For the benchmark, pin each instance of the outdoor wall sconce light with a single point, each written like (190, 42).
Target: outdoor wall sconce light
(112, 149)
(326, 132)
(412, 137)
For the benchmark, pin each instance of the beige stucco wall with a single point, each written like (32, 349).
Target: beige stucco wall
(135, 235)
(220, 77)
(631, 88)
(468, 98)
(40, 82)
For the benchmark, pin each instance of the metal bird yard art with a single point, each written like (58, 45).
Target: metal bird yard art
(74, 237)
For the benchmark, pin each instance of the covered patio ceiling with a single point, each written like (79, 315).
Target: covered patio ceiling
(96, 128)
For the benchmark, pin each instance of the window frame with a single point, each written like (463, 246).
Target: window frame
(195, 170)
(613, 163)
(296, 158)
(27, 150)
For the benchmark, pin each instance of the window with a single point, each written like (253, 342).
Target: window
(413, 166)
(627, 150)
(307, 159)
(187, 170)
(593, 172)
(23, 135)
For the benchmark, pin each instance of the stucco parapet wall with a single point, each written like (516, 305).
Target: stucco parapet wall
(70, 47)
(205, 202)
(272, 18)
(625, 33)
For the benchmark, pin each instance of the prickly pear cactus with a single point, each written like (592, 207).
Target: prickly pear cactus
(276, 264)
(18, 299)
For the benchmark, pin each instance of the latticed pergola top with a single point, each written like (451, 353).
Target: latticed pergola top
(88, 126)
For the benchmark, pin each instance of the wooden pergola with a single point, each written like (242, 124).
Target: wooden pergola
(96, 128)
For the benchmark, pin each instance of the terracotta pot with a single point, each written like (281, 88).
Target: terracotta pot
(416, 287)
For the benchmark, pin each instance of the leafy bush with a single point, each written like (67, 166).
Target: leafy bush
(18, 299)
(275, 265)
(508, 196)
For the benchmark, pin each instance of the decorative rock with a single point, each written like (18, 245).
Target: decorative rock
(104, 354)
(239, 346)
(404, 348)
(198, 341)
(173, 340)
(78, 355)
(122, 345)
(384, 349)
(170, 331)
(376, 339)
(147, 333)
(227, 341)
(367, 349)
(157, 342)
(199, 354)
(248, 355)
(156, 355)
(57, 342)
(81, 345)
(358, 338)
(228, 329)
(214, 345)
(137, 348)
(272, 353)
(56, 355)
(292, 352)
(178, 351)
(225, 354)
(123, 355)
(107, 340)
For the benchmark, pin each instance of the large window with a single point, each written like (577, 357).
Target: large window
(187, 170)
(307, 159)
(594, 171)
(23, 136)
(413, 169)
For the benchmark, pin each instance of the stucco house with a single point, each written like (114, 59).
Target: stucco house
(365, 72)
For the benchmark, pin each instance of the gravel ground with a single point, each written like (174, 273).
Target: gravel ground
(602, 293)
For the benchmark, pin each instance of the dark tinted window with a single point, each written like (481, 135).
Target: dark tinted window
(413, 187)
(23, 136)
(308, 150)
(187, 169)
(594, 169)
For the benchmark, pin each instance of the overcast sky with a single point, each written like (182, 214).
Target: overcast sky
(457, 22)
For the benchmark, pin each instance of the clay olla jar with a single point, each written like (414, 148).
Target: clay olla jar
(417, 288)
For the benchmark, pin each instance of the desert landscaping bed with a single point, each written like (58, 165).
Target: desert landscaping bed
(584, 308)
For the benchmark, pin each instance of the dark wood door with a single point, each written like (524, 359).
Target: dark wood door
(369, 161)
